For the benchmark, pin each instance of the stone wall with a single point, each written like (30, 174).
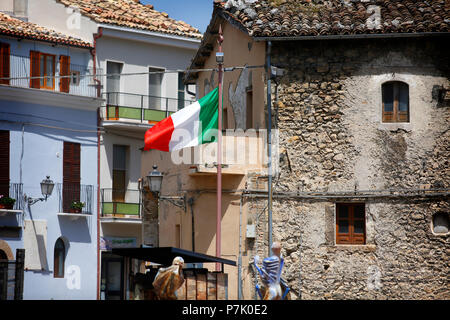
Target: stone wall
(332, 139)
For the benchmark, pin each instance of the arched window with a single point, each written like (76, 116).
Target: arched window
(441, 223)
(59, 257)
(395, 95)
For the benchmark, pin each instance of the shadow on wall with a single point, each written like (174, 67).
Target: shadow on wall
(75, 230)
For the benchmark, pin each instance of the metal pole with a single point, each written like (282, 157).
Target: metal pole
(269, 145)
(219, 160)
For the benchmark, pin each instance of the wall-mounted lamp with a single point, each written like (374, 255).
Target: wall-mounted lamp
(47, 186)
(154, 181)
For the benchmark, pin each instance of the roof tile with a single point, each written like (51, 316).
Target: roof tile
(14, 27)
(132, 14)
(276, 18)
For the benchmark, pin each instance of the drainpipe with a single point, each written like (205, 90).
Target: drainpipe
(94, 58)
(269, 145)
(94, 55)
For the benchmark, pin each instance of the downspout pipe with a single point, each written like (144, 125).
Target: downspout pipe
(269, 144)
(94, 58)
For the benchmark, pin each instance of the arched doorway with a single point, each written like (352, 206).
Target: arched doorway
(3, 255)
(5, 250)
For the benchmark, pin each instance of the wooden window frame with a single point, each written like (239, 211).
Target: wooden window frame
(395, 115)
(64, 70)
(350, 238)
(4, 162)
(36, 83)
(5, 62)
(71, 174)
(56, 260)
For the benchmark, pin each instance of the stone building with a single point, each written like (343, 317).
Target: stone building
(362, 110)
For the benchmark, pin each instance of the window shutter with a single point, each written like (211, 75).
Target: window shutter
(4, 62)
(64, 70)
(4, 163)
(71, 174)
(35, 70)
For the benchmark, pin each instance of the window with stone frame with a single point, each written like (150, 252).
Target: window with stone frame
(395, 96)
(350, 223)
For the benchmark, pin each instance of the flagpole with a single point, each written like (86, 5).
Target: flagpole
(219, 59)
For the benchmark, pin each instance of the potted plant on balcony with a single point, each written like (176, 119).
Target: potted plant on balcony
(76, 207)
(6, 202)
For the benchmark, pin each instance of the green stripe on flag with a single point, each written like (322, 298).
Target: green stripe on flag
(209, 116)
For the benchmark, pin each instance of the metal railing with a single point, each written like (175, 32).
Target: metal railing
(81, 76)
(70, 193)
(15, 191)
(140, 107)
(121, 203)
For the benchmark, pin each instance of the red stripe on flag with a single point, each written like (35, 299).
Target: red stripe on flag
(158, 136)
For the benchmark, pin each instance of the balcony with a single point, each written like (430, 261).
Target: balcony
(80, 83)
(121, 205)
(135, 111)
(69, 197)
(14, 191)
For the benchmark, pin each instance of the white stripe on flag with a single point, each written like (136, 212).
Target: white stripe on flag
(186, 124)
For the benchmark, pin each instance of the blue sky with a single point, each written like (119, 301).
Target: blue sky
(195, 12)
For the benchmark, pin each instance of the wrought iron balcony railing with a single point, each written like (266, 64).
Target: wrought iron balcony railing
(121, 203)
(81, 80)
(70, 194)
(15, 191)
(144, 108)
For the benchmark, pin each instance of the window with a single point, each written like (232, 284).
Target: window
(4, 63)
(64, 70)
(75, 78)
(4, 163)
(154, 88)
(395, 95)
(59, 258)
(43, 67)
(180, 91)
(71, 174)
(441, 223)
(177, 236)
(119, 173)
(350, 223)
(249, 111)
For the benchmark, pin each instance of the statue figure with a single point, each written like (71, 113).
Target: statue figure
(270, 275)
(169, 280)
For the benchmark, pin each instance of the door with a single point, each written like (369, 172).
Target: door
(71, 174)
(112, 278)
(154, 88)
(113, 82)
(119, 173)
(3, 275)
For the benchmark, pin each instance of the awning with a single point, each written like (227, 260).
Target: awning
(165, 255)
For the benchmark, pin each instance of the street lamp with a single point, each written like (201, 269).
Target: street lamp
(154, 180)
(47, 186)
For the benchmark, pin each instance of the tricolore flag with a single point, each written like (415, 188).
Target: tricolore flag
(189, 127)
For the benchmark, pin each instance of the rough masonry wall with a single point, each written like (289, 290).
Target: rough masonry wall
(333, 139)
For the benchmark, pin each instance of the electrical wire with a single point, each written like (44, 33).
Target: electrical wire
(47, 126)
(56, 120)
(228, 69)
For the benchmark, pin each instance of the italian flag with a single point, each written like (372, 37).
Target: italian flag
(189, 127)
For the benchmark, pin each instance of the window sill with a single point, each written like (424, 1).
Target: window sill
(394, 126)
(352, 247)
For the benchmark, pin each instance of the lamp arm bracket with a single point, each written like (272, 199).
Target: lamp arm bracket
(178, 201)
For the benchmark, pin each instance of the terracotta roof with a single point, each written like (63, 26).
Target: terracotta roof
(132, 14)
(17, 28)
(287, 18)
